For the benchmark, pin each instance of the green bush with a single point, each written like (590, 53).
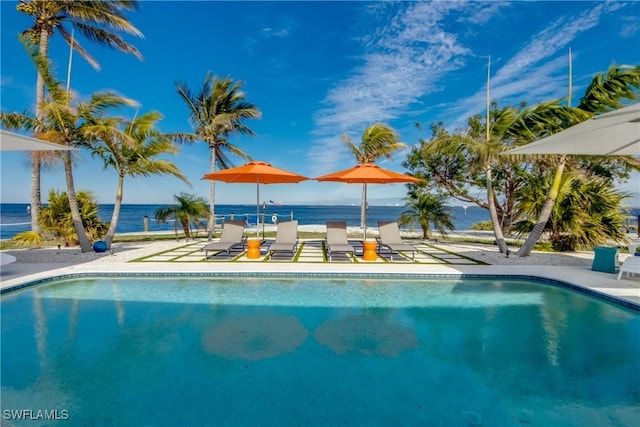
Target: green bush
(482, 226)
(57, 224)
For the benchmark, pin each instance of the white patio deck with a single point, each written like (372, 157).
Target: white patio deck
(433, 260)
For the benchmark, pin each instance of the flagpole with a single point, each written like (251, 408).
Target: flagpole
(570, 80)
(69, 64)
(488, 101)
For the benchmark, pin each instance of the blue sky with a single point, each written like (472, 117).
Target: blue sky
(318, 70)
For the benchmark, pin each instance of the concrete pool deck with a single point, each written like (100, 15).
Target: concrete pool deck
(431, 259)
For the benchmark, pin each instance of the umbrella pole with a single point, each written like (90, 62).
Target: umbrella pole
(258, 210)
(365, 211)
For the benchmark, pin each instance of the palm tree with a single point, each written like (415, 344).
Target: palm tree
(604, 93)
(482, 155)
(425, 209)
(136, 156)
(217, 112)
(99, 21)
(79, 125)
(378, 140)
(189, 209)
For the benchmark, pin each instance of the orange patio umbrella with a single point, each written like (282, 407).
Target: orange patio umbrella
(367, 173)
(258, 172)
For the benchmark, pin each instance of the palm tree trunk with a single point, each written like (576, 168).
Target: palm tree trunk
(212, 197)
(185, 228)
(85, 245)
(35, 193)
(116, 212)
(545, 212)
(36, 201)
(495, 221)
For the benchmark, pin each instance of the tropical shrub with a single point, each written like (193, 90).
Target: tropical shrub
(587, 212)
(482, 226)
(57, 223)
(28, 238)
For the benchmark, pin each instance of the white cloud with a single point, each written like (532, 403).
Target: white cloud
(547, 43)
(482, 12)
(630, 26)
(283, 30)
(403, 59)
(535, 72)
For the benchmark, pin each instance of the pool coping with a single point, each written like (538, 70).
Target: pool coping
(625, 293)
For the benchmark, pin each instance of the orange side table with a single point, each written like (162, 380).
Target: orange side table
(253, 250)
(369, 252)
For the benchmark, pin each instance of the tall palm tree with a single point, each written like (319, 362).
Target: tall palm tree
(426, 209)
(378, 140)
(604, 93)
(81, 124)
(135, 155)
(99, 21)
(218, 111)
(189, 209)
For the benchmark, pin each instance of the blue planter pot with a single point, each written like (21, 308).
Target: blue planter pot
(100, 246)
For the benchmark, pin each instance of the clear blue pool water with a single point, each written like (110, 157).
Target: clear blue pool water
(317, 352)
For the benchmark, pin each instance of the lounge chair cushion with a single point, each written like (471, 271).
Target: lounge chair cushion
(390, 238)
(286, 238)
(231, 238)
(337, 239)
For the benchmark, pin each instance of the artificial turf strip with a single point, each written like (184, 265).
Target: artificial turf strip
(145, 258)
(239, 257)
(458, 255)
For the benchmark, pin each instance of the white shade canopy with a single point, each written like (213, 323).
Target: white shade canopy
(615, 133)
(6, 258)
(10, 141)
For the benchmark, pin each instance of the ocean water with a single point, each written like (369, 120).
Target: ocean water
(15, 218)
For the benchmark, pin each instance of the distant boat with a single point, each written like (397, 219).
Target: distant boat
(28, 209)
(465, 208)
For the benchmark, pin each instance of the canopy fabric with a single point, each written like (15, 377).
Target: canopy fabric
(6, 258)
(255, 172)
(615, 133)
(367, 173)
(258, 173)
(10, 141)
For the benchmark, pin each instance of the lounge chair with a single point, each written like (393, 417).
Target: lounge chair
(286, 239)
(390, 238)
(231, 238)
(631, 265)
(336, 240)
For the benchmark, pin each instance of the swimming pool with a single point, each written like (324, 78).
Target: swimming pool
(325, 350)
